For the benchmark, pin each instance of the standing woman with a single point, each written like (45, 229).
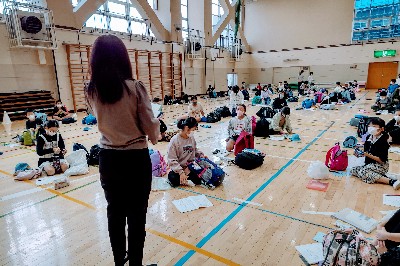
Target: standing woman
(125, 119)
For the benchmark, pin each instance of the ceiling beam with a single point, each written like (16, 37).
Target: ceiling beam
(85, 9)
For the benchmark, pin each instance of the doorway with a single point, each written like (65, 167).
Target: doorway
(232, 79)
(380, 74)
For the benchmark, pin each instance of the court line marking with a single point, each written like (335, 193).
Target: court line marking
(217, 228)
(192, 247)
(58, 194)
(44, 200)
(38, 189)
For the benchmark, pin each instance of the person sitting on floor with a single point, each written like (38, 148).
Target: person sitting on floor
(182, 150)
(33, 124)
(388, 233)
(236, 125)
(60, 111)
(51, 149)
(266, 95)
(280, 122)
(376, 149)
(338, 89)
(392, 87)
(279, 102)
(195, 109)
(393, 127)
(235, 98)
(383, 103)
(326, 99)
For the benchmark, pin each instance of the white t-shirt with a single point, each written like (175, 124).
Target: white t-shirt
(398, 81)
(265, 94)
(338, 89)
(310, 79)
(195, 111)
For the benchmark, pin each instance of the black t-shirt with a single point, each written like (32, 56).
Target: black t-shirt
(380, 149)
(393, 226)
(40, 150)
(33, 124)
(62, 114)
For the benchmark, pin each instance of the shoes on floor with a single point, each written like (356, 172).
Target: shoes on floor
(396, 185)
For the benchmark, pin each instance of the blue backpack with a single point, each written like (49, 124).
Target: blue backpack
(89, 120)
(307, 103)
(350, 142)
(256, 100)
(41, 116)
(210, 174)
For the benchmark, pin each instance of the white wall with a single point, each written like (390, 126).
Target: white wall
(328, 64)
(278, 24)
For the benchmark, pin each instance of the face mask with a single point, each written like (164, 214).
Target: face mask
(31, 117)
(382, 98)
(373, 131)
(240, 112)
(194, 103)
(397, 118)
(50, 133)
(59, 105)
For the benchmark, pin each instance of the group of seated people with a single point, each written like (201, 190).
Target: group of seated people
(387, 99)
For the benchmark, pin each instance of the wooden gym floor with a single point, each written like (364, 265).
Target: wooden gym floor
(41, 226)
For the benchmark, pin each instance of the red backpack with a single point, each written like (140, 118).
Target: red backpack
(245, 140)
(336, 159)
(253, 123)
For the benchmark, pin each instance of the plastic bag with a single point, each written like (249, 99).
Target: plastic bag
(318, 170)
(354, 161)
(78, 163)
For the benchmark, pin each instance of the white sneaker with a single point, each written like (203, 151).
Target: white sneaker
(396, 185)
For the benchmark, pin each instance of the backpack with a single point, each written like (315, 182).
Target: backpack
(327, 106)
(253, 123)
(213, 117)
(262, 128)
(352, 96)
(337, 159)
(258, 93)
(89, 120)
(211, 175)
(307, 103)
(68, 120)
(362, 126)
(245, 140)
(249, 159)
(246, 95)
(293, 99)
(348, 248)
(41, 116)
(350, 142)
(167, 100)
(354, 122)
(256, 100)
(158, 164)
(225, 112)
(94, 155)
(27, 138)
(318, 97)
(266, 112)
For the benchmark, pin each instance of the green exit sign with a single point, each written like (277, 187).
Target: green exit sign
(384, 53)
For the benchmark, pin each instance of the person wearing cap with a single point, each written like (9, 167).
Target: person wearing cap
(281, 122)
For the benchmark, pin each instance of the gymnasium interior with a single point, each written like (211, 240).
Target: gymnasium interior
(181, 47)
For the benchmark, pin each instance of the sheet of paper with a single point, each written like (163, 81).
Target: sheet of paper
(274, 137)
(192, 203)
(391, 200)
(319, 237)
(313, 253)
(156, 109)
(394, 149)
(160, 183)
(201, 201)
(47, 180)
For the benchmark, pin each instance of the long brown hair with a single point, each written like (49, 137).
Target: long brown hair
(110, 67)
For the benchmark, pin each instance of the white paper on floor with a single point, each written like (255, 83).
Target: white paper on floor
(312, 253)
(160, 183)
(192, 203)
(391, 200)
(274, 137)
(47, 180)
(394, 149)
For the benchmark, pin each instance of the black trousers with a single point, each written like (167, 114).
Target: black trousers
(125, 176)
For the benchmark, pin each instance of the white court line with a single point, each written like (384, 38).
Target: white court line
(321, 213)
(248, 202)
(37, 189)
(281, 157)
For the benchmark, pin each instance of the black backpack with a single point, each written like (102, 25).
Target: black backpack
(248, 160)
(293, 99)
(219, 111)
(262, 128)
(225, 112)
(352, 96)
(167, 100)
(258, 93)
(265, 112)
(213, 118)
(363, 126)
(94, 155)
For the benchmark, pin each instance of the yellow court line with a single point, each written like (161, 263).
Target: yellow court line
(6, 173)
(193, 247)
